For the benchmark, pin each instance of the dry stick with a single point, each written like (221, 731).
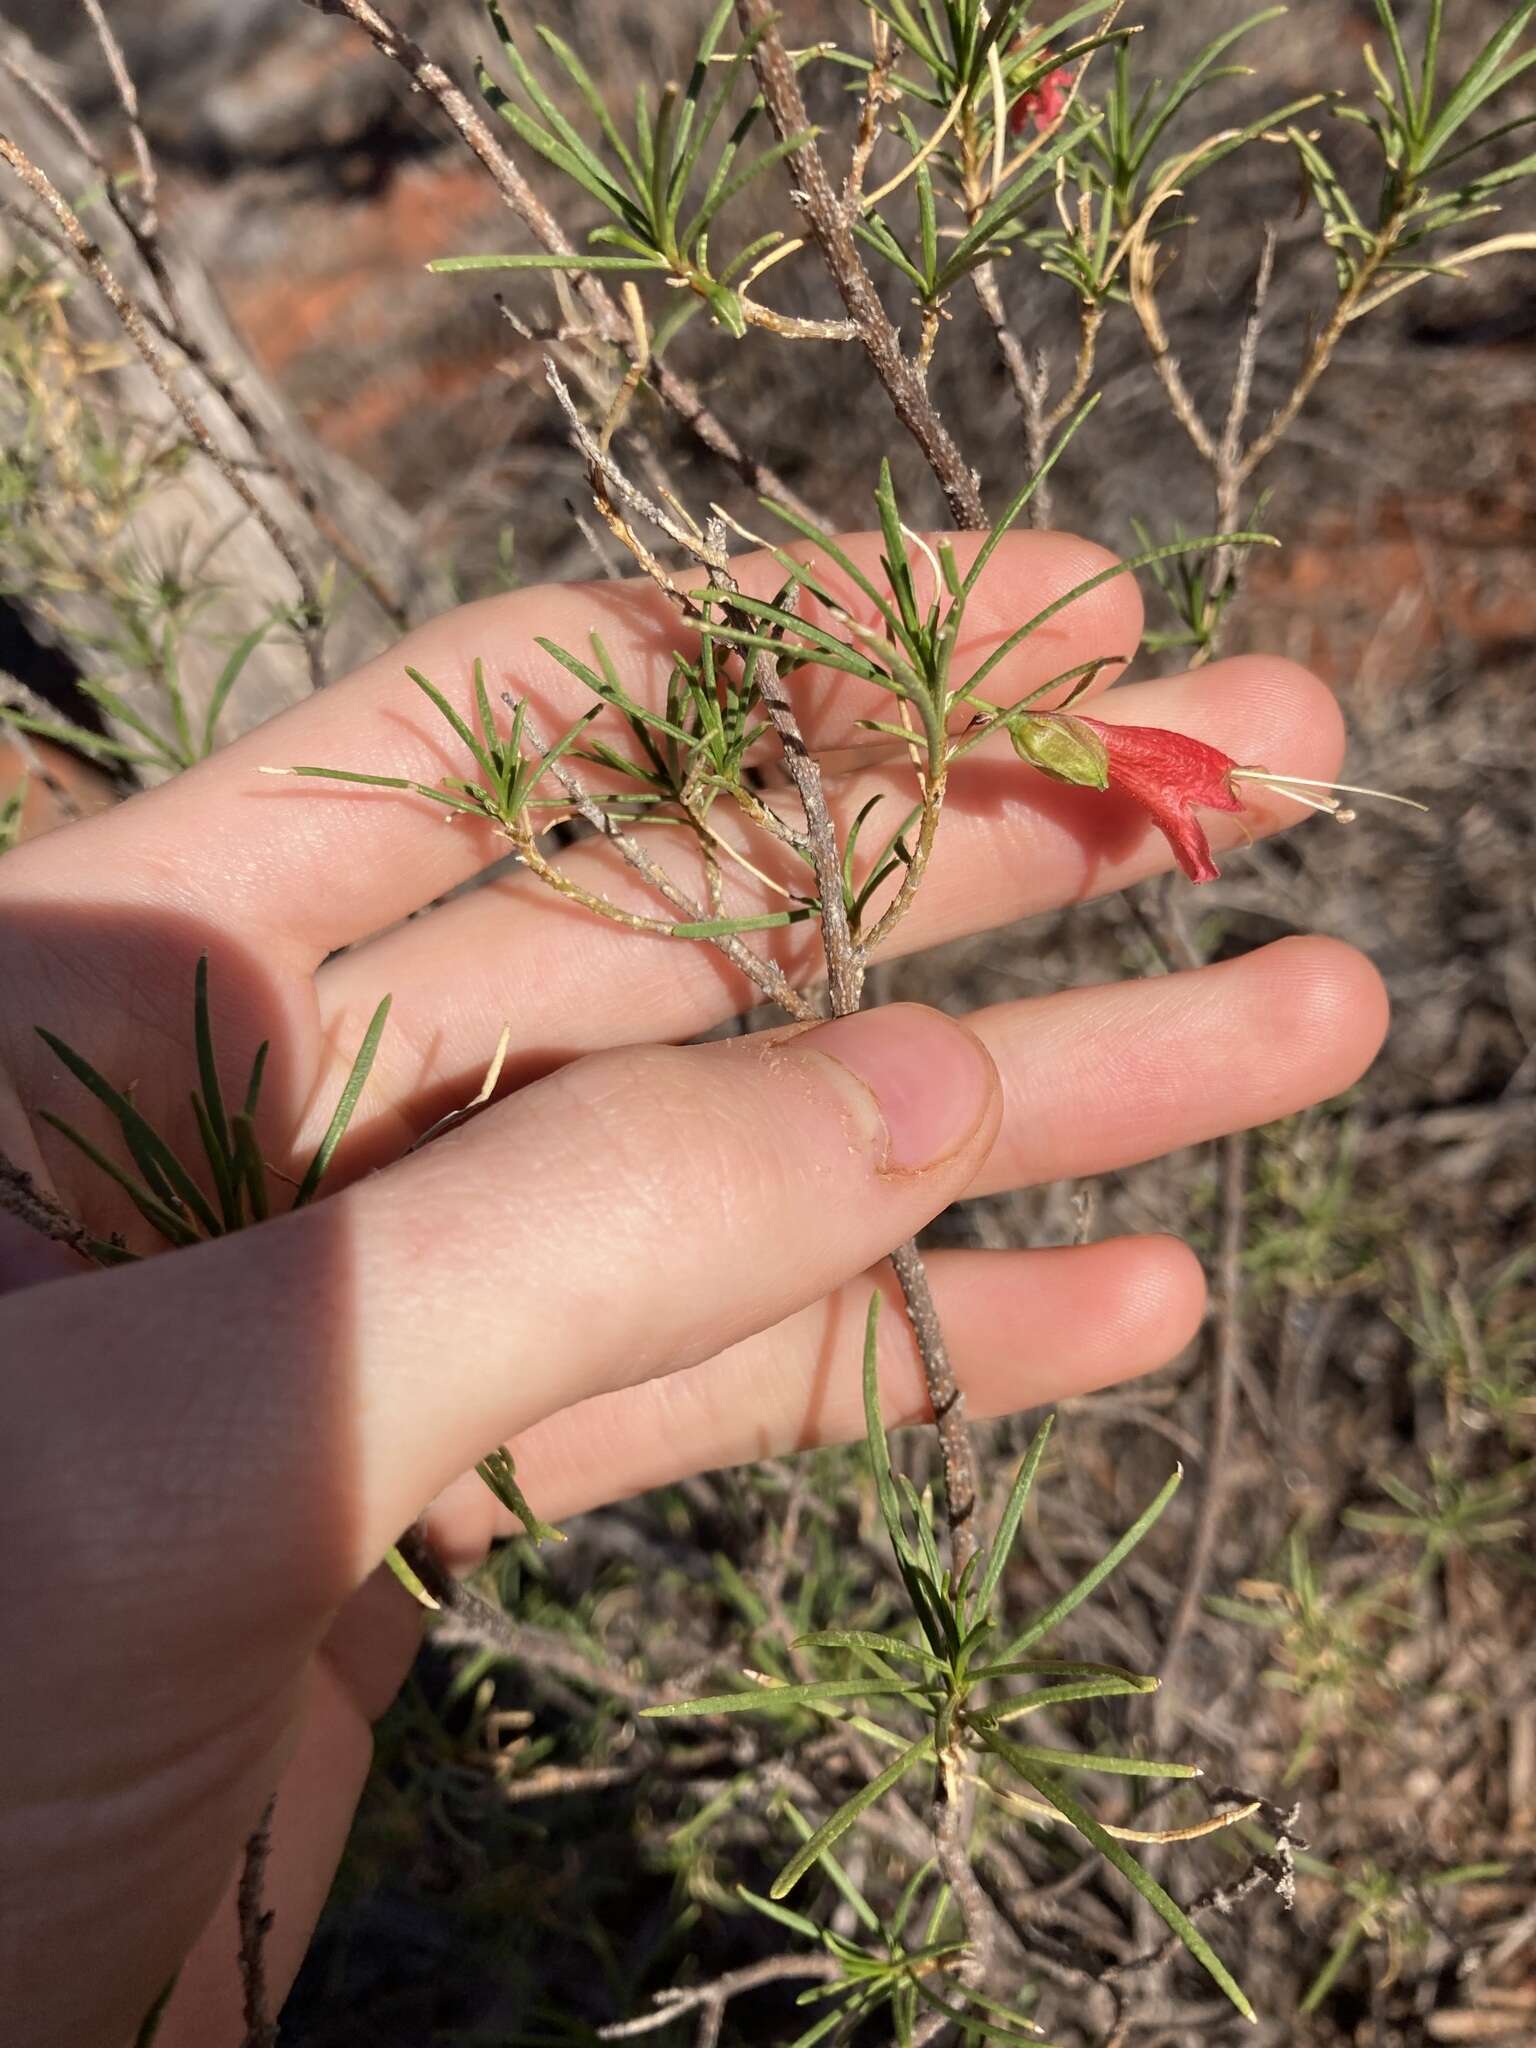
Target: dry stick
(1232, 464)
(676, 393)
(845, 969)
(255, 1926)
(1227, 1366)
(465, 1617)
(714, 1997)
(831, 226)
(128, 99)
(953, 1803)
(845, 961)
(142, 225)
(1230, 473)
(877, 90)
(21, 1197)
(90, 260)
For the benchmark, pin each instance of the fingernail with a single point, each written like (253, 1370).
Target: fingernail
(927, 1079)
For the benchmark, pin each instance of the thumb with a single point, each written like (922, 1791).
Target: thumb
(314, 1382)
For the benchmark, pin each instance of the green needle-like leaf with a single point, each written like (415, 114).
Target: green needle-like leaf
(1008, 1527)
(1167, 1909)
(838, 1824)
(1090, 1582)
(356, 1081)
(772, 1698)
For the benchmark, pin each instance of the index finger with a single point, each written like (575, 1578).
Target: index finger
(312, 867)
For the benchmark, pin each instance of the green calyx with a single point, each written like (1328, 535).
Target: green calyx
(1063, 747)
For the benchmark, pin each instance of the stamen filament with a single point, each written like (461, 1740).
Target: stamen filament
(1294, 783)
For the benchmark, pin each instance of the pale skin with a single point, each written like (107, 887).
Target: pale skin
(645, 1260)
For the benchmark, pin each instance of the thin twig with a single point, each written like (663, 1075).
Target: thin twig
(960, 1490)
(679, 396)
(88, 257)
(255, 1925)
(148, 195)
(1226, 1368)
(140, 220)
(831, 226)
(21, 1197)
(877, 90)
(845, 959)
(716, 1995)
(954, 1805)
(465, 1617)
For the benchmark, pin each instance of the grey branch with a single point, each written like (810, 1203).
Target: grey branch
(831, 227)
(676, 393)
(89, 259)
(711, 1999)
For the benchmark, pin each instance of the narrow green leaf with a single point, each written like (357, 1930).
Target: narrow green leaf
(986, 2028)
(155, 1159)
(253, 1086)
(1405, 85)
(445, 266)
(1480, 82)
(250, 1165)
(429, 690)
(898, 568)
(1065, 1695)
(230, 674)
(582, 79)
(829, 546)
(728, 927)
(1022, 497)
(1173, 1915)
(785, 1915)
(875, 1438)
(897, 1648)
(145, 2037)
(499, 1472)
(1190, 80)
(119, 708)
(336, 1131)
(207, 1066)
(726, 190)
(1125, 568)
(1091, 1580)
(1094, 1760)
(155, 1212)
(436, 796)
(771, 1698)
(1008, 1526)
(838, 1824)
(220, 1156)
(840, 1879)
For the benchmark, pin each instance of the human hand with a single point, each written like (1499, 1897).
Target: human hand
(646, 1262)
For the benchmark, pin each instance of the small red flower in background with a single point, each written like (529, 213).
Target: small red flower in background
(1045, 102)
(1168, 774)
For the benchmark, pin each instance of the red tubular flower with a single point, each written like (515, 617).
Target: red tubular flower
(1044, 103)
(1169, 774)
